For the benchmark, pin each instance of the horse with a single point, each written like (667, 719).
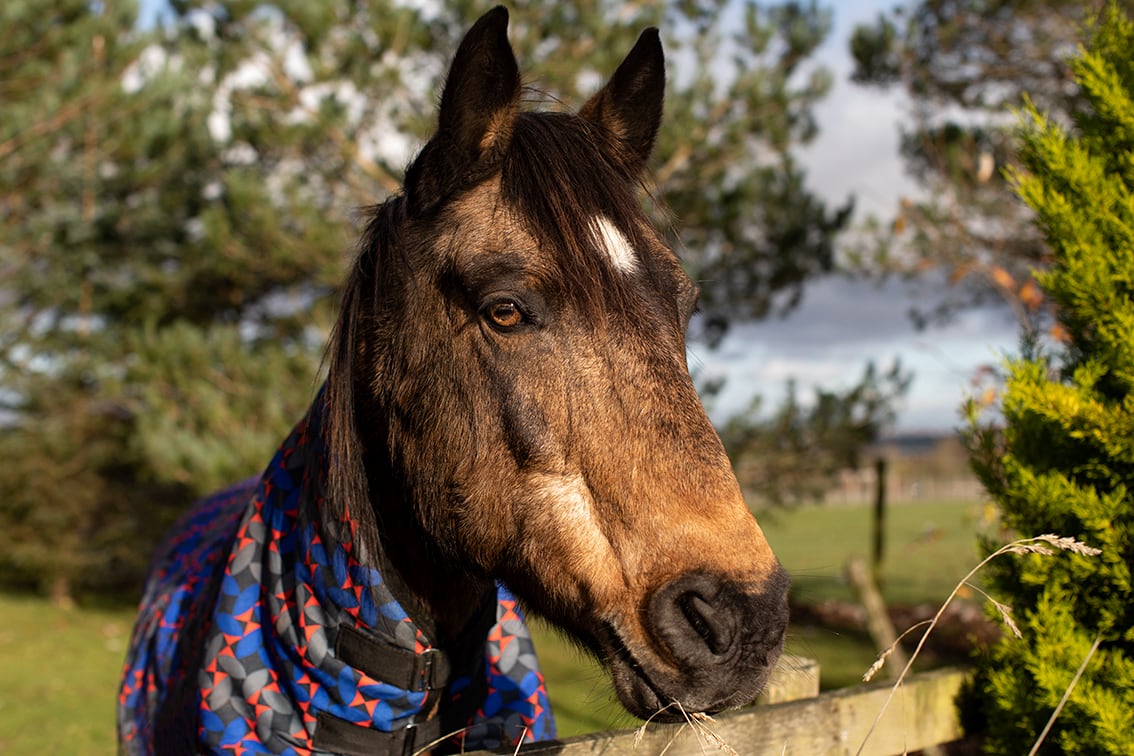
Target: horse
(507, 425)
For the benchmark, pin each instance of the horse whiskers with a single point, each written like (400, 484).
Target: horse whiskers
(698, 721)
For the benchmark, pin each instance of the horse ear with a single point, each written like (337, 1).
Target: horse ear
(478, 109)
(629, 107)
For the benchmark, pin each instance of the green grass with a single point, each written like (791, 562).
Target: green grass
(580, 690)
(843, 656)
(61, 671)
(929, 547)
(61, 667)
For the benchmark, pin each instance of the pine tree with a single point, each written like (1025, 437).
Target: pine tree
(177, 204)
(962, 66)
(142, 358)
(1063, 460)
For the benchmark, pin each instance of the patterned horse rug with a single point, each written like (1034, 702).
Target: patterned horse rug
(262, 630)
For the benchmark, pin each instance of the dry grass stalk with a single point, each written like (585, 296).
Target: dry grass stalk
(1003, 610)
(881, 660)
(701, 724)
(1037, 545)
(430, 746)
(520, 742)
(1066, 695)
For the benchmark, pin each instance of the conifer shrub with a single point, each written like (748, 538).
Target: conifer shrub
(1060, 459)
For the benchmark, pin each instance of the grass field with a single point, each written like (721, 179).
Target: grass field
(929, 547)
(61, 667)
(61, 672)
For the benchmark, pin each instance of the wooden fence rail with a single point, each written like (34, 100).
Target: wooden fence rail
(921, 715)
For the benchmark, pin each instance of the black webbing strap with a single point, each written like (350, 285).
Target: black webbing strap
(392, 665)
(340, 736)
(417, 673)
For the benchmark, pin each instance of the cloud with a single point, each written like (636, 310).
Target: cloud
(843, 324)
(840, 327)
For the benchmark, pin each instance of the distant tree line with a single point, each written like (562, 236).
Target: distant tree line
(177, 203)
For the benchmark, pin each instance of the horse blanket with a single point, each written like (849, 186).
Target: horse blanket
(260, 631)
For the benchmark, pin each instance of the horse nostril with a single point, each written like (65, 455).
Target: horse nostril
(717, 638)
(697, 618)
(706, 621)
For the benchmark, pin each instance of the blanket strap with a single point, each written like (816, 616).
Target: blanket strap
(425, 672)
(340, 736)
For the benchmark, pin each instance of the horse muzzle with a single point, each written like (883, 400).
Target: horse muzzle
(712, 643)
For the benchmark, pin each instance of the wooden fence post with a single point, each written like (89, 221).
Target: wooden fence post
(878, 545)
(878, 622)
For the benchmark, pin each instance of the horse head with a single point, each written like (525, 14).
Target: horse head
(510, 398)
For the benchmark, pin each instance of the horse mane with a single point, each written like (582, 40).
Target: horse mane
(347, 485)
(558, 175)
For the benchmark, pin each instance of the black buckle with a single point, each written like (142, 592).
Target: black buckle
(433, 670)
(339, 736)
(419, 735)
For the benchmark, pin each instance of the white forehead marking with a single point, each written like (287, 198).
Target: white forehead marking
(615, 244)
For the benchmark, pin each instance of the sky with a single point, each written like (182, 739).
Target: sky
(842, 324)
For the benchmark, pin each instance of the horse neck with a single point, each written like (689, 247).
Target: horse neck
(440, 595)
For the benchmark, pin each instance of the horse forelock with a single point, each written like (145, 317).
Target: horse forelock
(584, 211)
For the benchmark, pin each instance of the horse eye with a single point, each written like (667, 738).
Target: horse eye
(505, 314)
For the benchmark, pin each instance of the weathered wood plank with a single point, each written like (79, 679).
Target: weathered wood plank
(922, 714)
(794, 677)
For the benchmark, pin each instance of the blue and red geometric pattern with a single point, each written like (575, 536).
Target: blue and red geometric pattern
(516, 702)
(241, 614)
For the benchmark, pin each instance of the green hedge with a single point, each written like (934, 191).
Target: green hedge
(1061, 459)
